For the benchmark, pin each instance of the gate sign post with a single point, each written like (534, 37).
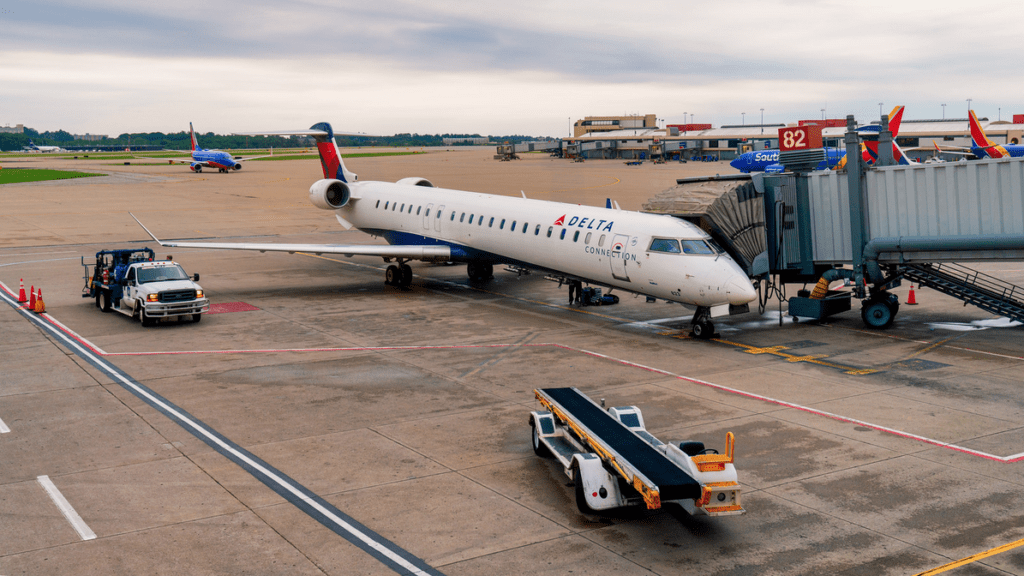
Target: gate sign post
(799, 138)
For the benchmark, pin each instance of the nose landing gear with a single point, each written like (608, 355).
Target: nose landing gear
(702, 326)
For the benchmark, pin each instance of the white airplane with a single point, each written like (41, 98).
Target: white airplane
(36, 148)
(649, 254)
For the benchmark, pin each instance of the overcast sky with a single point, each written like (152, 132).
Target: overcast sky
(497, 68)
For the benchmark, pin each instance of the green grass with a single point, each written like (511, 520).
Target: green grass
(18, 175)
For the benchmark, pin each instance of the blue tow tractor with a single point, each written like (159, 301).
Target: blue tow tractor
(133, 283)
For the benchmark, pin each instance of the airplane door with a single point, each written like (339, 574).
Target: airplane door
(437, 218)
(426, 217)
(618, 259)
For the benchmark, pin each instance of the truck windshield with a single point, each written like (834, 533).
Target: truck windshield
(161, 274)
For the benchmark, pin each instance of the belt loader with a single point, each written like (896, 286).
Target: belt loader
(615, 462)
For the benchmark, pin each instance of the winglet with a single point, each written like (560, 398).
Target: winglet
(155, 239)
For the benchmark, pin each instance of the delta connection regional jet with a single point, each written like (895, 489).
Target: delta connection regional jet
(654, 255)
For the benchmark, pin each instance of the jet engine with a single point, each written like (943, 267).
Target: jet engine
(416, 181)
(329, 194)
(237, 166)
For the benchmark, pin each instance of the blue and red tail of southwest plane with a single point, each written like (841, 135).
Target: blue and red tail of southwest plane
(192, 136)
(983, 147)
(330, 158)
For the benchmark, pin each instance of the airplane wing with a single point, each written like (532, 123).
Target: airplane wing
(411, 252)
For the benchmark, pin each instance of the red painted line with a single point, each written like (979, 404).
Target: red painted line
(719, 387)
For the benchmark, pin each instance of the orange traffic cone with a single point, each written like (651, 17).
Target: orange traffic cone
(40, 307)
(911, 301)
(32, 299)
(21, 293)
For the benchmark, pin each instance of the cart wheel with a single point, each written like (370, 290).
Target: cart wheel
(103, 300)
(538, 447)
(581, 496)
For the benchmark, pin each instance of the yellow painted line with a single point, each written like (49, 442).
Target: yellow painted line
(974, 558)
(778, 351)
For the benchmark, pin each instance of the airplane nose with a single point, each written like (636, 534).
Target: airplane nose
(740, 290)
(736, 163)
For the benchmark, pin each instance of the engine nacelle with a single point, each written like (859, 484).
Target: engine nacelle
(329, 194)
(237, 166)
(416, 181)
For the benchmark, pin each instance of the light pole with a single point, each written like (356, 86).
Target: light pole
(743, 116)
(762, 120)
(969, 106)
(822, 114)
(943, 111)
(880, 109)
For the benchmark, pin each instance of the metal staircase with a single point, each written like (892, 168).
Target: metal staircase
(986, 292)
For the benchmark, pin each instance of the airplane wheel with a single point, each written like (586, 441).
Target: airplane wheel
(538, 447)
(393, 275)
(704, 330)
(406, 279)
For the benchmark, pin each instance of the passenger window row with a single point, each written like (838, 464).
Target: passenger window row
(395, 206)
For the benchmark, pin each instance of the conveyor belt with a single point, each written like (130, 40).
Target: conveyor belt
(671, 482)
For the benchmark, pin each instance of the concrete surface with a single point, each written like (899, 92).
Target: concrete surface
(407, 410)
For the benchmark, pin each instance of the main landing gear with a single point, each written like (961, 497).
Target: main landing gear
(702, 326)
(479, 271)
(399, 275)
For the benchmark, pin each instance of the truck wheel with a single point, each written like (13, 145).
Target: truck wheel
(538, 447)
(196, 318)
(103, 300)
(146, 319)
(581, 496)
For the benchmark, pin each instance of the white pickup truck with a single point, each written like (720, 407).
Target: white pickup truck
(133, 283)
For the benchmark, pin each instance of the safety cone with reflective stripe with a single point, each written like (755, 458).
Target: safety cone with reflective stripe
(911, 301)
(40, 307)
(21, 293)
(32, 299)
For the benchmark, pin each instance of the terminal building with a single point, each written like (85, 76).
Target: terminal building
(639, 137)
(16, 129)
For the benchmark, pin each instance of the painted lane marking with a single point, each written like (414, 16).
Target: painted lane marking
(973, 558)
(9, 296)
(65, 508)
(3, 427)
(388, 553)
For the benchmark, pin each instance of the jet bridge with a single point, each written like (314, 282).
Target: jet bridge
(872, 225)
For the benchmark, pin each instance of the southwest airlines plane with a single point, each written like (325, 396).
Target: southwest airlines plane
(985, 148)
(768, 160)
(203, 157)
(649, 254)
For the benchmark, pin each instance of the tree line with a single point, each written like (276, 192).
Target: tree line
(181, 140)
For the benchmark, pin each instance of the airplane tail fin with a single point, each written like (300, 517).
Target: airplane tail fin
(330, 157)
(192, 135)
(981, 141)
(895, 119)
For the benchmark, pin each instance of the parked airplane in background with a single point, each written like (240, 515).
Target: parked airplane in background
(835, 158)
(205, 158)
(985, 148)
(649, 254)
(36, 148)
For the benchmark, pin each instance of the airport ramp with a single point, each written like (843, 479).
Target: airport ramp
(726, 207)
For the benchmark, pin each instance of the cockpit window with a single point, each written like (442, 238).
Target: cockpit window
(670, 245)
(697, 247)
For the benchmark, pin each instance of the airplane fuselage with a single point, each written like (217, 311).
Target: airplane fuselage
(598, 245)
(216, 158)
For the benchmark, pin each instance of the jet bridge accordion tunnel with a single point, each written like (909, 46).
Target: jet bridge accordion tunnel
(869, 225)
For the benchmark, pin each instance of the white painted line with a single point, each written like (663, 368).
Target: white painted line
(3, 427)
(65, 508)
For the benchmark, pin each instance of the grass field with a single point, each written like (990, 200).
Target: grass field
(18, 175)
